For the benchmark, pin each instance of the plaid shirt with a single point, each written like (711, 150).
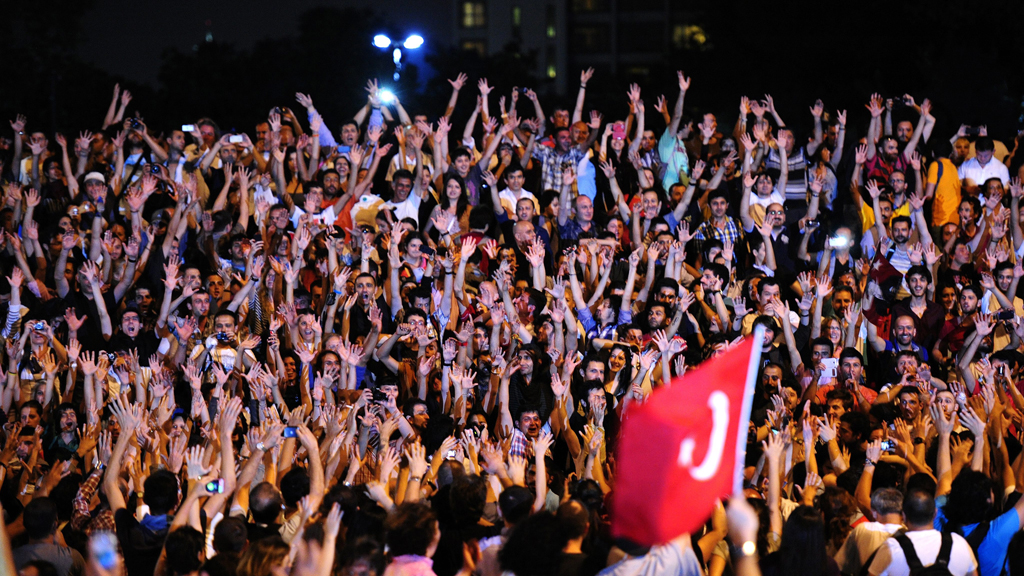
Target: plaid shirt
(81, 515)
(520, 445)
(708, 231)
(551, 165)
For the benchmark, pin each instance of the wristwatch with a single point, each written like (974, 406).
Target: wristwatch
(261, 447)
(870, 462)
(918, 441)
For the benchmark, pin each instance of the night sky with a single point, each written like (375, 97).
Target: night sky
(126, 38)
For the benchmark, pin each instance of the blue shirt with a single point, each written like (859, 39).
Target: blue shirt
(992, 551)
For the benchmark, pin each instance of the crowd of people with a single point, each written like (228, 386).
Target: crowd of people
(408, 348)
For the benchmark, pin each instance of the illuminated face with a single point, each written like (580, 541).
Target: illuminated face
(530, 424)
(594, 371)
(903, 131)
(771, 378)
(961, 149)
(898, 181)
(365, 288)
(718, 207)
(228, 154)
(332, 182)
(617, 360)
(524, 210)
(564, 140)
(481, 342)
(403, 186)
(905, 330)
(68, 421)
(648, 140)
(462, 164)
(656, 317)
(515, 180)
(836, 409)
(225, 325)
(306, 323)
(834, 330)
(983, 158)
(130, 324)
(917, 284)
(946, 401)
(994, 187)
(25, 446)
(651, 204)
(331, 362)
(215, 285)
(452, 189)
(29, 416)
(889, 149)
(584, 209)
(525, 363)
(851, 369)
(349, 134)
(901, 232)
(208, 135)
(561, 118)
(910, 406)
(968, 302)
(768, 293)
(290, 369)
(413, 249)
(906, 364)
(763, 187)
(948, 298)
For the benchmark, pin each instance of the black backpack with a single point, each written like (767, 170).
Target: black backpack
(941, 565)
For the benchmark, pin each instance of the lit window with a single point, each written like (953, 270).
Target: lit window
(473, 15)
(478, 46)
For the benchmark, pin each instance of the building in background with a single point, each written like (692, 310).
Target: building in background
(619, 38)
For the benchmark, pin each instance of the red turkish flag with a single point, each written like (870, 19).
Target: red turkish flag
(684, 448)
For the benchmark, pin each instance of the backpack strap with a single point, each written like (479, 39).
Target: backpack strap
(913, 562)
(867, 563)
(978, 536)
(942, 560)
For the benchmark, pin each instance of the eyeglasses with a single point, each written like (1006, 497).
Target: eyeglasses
(776, 212)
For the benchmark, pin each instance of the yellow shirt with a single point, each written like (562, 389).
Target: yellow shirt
(947, 192)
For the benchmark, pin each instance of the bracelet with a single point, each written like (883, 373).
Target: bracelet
(870, 462)
(446, 364)
(583, 85)
(133, 261)
(415, 478)
(261, 447)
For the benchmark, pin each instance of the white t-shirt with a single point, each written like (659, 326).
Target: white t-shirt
(509, 200)
(890, 560)
(409, 208)
(973, 170)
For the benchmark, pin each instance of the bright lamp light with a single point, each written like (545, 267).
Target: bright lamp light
(381, 41)
(413, 42)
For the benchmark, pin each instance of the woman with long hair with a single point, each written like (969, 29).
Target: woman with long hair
(452, 210)
(802, 551)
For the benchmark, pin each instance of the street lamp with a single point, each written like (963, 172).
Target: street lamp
(383, 42)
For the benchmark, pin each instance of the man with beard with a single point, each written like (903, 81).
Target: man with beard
(904, 331)
(366, 296)
(928, 316)
(888, 157)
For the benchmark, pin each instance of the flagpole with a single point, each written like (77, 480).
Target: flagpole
(753, 367)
